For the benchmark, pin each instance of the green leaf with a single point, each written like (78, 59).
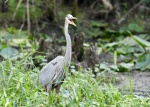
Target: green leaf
(129, 41)
(104, 67)
(98, 24)
(8, 52)
(124, 67)
(86, 44)
(94, 32)
(135, 27)
(65, 93)
(112, 44)
(1, 46)
(143, 62)
(140, 41)
(18, 41)
(114, 67)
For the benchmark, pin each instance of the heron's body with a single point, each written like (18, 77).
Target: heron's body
(52, 74)
(50, 70)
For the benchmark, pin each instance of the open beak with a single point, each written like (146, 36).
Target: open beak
(71, 22)
(74, 18)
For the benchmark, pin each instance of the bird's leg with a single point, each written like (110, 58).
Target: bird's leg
(58, 88)
(48, 88)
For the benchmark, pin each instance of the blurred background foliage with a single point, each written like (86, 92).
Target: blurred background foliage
(102, 26)
(110, 43)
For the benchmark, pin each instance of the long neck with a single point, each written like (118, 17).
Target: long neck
(67, 57)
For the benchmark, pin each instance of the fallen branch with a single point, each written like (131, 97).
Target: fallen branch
(94, 3)
(145, 8)
(134, 7)
(16, 9)
(6, 1)
(28, 17)
(107, 4)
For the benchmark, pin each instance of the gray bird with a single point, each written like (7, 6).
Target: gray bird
(52, 74)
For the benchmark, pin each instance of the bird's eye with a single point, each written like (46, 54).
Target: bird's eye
(70, 20)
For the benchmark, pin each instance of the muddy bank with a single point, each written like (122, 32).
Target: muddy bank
(138, 81)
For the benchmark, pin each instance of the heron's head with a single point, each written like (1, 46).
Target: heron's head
(70, 18)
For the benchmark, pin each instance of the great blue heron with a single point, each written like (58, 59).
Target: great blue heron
(52, 74)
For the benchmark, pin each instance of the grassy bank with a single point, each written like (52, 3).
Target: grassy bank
(79, 89)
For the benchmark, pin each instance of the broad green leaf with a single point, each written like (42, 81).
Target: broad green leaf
(8, 52)
(5, 35)
(114, 67)
(127, 65)
(135, 27)
(129, 41)
(19, 41)
(98, 24)
(99, 50)
(122, 50)
(140, 41)
(112, 44)
(124, 67)
(104, 67)
(94, 32)
(143, 62)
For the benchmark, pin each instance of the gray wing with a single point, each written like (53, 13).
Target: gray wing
(49, 71)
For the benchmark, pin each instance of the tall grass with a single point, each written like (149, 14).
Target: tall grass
(79, 89)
